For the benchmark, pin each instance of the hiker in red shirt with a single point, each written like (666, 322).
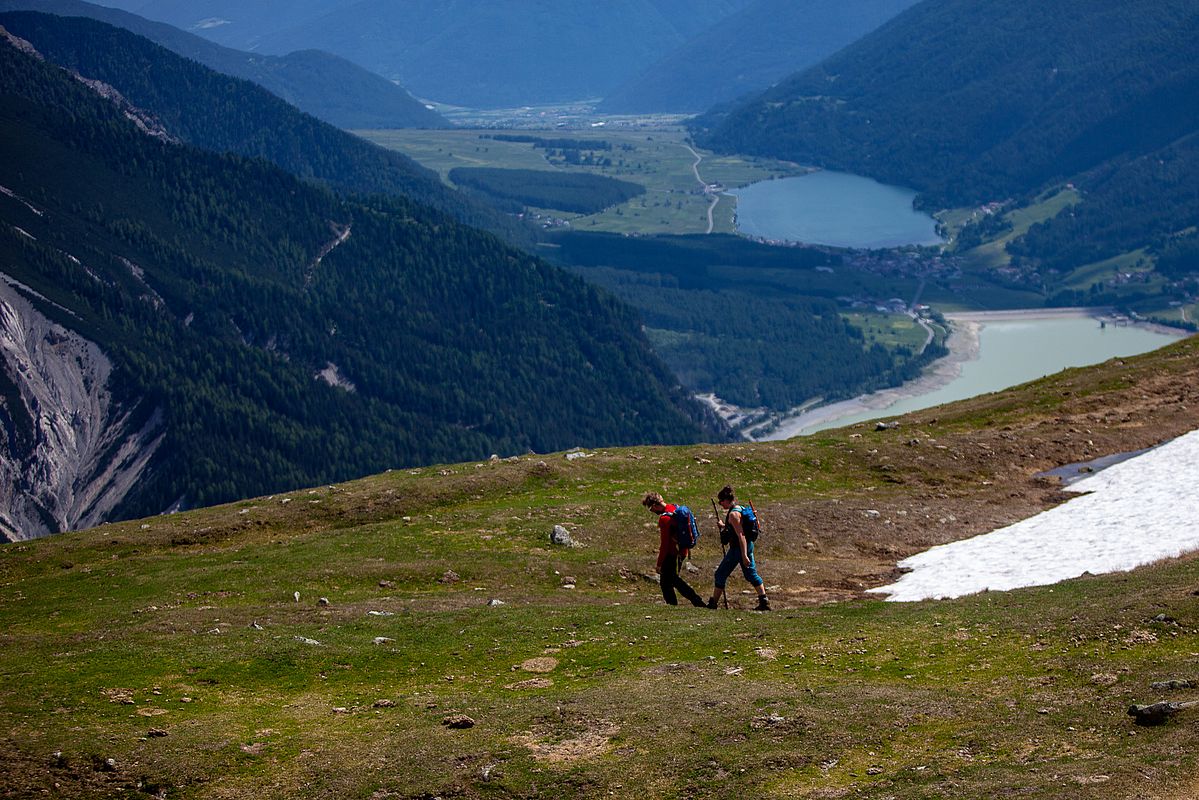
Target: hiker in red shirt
(670, 557)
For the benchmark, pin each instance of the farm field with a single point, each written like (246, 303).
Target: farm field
(660, 160)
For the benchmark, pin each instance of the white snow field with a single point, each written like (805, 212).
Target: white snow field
(1136, 512)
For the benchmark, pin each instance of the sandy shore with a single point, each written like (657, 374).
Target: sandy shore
(963, 347)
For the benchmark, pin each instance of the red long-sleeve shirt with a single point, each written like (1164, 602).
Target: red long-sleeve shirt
(667, 546)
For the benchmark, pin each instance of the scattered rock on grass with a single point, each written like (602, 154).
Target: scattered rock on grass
(449, 576)
(157, 733)
(767, 721)
(1163, 686)
(531, 683)
(384, 703)
(560, 536)
(458, 721)
(539, 664)
(495, 602)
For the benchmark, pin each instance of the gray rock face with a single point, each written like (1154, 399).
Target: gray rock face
(69, 452)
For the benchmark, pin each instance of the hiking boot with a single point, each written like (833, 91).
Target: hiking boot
(763, 604)
(698, 603)
(711, 603)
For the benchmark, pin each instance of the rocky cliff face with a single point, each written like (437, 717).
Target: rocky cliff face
(69, 452)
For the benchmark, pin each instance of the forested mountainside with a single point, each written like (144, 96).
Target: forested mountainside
(324, 85)
(481, 53)
(972, 101)
(227, 114)
(264, 333)
(749, 51)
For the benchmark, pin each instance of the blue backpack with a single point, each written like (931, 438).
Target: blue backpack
(686, 532)
(749, 523)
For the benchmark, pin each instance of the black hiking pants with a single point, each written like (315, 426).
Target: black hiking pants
(671, 581)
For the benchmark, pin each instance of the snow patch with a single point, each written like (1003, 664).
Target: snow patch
(332, 376)
(1133, 513)
(210, 22)
(4, 190)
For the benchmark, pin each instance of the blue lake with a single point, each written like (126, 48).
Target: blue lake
(1010, 352)
(833, 208)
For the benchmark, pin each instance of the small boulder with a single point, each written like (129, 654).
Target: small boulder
(449, 576)
(560, 536)
(458, 722)
(495, 602)
(323, 602)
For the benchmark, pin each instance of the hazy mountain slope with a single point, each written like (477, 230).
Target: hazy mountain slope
(223, 113)
(1000, 94)
(233, 23)
(324, 85)
(749, 51)
(977, 100)
(484, 53)
(289, 336)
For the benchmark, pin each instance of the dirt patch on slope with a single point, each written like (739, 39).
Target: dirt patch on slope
(938, 480)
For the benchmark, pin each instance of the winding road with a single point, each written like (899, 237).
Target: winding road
(709, 192)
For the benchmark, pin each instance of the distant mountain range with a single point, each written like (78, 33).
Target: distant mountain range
(749, 51)
(972, 101)
(327, 86)
(480, 53)
(222, 113)
(184, 326)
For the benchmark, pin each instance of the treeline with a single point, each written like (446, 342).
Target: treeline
(717, 312)
(545, 143)
(577, 192)
(457, 344)
(686, 258)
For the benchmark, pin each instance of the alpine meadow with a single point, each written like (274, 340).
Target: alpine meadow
(635, 399)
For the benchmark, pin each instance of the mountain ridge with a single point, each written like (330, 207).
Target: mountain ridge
(209, 282)
(747, 52)
(322, 84)
(478, 53)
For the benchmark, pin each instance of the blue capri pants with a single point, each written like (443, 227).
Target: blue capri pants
(732, 560)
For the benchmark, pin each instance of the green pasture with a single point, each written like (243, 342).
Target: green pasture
(319, 643)
(659, 160)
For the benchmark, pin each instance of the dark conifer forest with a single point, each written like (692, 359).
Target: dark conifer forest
(221, 286)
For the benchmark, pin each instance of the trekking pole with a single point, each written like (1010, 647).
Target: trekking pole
(723, 550)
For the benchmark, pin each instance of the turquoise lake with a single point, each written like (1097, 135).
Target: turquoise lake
(833, 208)
(1011, 352)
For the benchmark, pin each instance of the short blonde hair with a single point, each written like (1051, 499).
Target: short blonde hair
(653, 499)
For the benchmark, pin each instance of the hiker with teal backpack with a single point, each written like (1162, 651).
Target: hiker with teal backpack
(739, 532)
(677, 534)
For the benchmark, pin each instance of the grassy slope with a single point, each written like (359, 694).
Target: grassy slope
(104, 633)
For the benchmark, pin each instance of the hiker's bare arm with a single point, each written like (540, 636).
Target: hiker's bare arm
(735, 521)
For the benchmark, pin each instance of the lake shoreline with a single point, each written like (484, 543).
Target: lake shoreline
(963, 346)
